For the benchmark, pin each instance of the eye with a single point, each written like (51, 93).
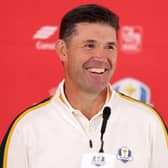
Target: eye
(89, 45)
(110, 47)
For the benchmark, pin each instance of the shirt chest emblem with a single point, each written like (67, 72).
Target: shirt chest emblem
(124, 154)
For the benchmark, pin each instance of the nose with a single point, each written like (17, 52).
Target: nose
(99, 52)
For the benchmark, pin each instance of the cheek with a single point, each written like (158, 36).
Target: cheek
(73, 63)
(77, 59)
(114, 57)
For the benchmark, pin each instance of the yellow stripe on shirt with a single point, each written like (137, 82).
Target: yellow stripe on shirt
(153, 110)
(14, 125)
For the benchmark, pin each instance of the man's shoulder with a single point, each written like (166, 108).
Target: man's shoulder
(32, 113)
(31, 117)
(138, 110)
(136, 107)
(132, 102)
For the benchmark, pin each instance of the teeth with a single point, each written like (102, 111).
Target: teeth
(96, 70)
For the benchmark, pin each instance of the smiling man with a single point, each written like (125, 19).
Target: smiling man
(89, 59)
(86, 123)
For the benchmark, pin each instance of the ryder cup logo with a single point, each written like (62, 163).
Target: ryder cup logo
(131, 39)
(133, 88)
(124, 154)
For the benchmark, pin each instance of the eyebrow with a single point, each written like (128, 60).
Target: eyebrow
(112, 43)
(94, 41)
(89, 41)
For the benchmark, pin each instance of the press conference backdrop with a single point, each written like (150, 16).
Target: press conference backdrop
(31, 70)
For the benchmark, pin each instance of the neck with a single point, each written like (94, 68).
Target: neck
(88, 103)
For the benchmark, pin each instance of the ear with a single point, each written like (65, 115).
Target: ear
(61, 49)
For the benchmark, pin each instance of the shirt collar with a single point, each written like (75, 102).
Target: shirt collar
(62, 98)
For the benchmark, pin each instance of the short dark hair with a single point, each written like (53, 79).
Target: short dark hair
(90, 13)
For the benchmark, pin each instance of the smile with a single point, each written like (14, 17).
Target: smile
(97, 70)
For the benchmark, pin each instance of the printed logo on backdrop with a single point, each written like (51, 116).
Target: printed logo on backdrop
(131, 39)
(43, 39)
(133, 88)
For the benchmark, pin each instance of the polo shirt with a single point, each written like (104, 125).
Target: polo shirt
(53, 134)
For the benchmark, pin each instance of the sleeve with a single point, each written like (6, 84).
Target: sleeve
(159, 150)
(13, 152)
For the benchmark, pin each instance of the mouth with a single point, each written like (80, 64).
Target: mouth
(97, 67)
(97, 70)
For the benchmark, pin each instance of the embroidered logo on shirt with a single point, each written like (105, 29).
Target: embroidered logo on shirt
(124, 154)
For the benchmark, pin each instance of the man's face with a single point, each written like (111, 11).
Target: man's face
(90, 57)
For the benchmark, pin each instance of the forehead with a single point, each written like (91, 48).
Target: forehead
(95, 31)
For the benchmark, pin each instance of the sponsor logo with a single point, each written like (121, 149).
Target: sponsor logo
(133, 88)
(124, 154)
(42, 38)
(40, 45)
(45, 32)
(131, 39)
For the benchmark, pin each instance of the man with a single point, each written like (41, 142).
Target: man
(66, 131)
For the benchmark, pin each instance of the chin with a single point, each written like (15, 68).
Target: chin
(96, 88)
